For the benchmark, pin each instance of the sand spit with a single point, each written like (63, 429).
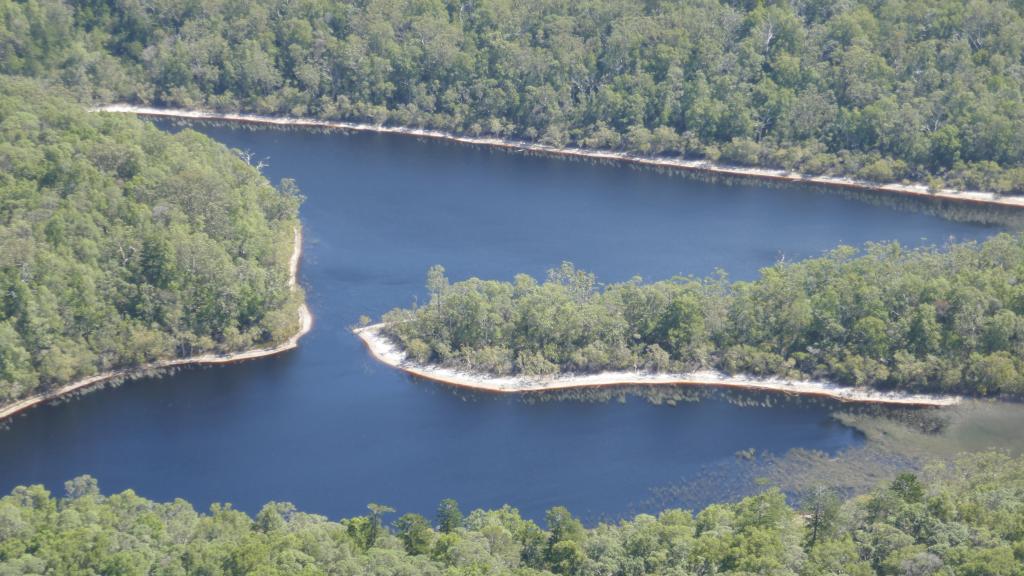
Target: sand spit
(910, 190)
(384, 350)
(305, 325)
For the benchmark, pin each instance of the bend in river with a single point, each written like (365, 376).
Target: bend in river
(328, 428)
(693, 166)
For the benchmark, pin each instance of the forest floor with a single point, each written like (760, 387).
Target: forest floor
(305, 325)
(386, 351)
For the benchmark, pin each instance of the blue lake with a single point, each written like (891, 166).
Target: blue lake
(329, 429)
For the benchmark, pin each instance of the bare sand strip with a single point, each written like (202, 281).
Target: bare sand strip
(386, 351)
(910, 190)
(305, 325)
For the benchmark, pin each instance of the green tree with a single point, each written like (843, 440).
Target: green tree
(121, 244)
(416, 533)
(822, 507)
(449, 517)
(377, 512)
(908, 487)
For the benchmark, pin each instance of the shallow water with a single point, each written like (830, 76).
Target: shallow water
(330, 430)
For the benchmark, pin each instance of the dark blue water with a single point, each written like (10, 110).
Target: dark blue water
(327, 428)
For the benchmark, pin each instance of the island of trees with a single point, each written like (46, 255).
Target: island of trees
(957, 520)
(882, 90)
(927, 320)
(121, 244)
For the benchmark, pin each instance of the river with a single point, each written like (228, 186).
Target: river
(329, 429)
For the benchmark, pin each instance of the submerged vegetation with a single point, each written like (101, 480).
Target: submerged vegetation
(956, 519)
(121, 244)
(929, 319)
(927, 90)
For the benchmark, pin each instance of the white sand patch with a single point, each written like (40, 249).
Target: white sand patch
(386, 351)
(914, 190)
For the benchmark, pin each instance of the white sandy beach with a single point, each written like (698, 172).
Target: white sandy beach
(305, 325)
(387, 352)
(912, 190)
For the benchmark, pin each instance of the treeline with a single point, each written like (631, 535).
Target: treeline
(958, 520)
(930, 319)
(883, 90)
(121, 244)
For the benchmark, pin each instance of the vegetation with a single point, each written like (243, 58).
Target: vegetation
(927, 90)
(121, 244)
(962, 519)
(927, 319)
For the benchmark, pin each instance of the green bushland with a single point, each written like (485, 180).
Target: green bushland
(884, 90)
(960, 519)
(121, 244)
(928, 319)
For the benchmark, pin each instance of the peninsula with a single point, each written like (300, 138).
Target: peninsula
(386, 351)
(938, 322)
(126, 250)
(305, 325)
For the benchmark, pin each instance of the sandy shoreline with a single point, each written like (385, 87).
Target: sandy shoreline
(909, 190)
(385, 351)
(305, 325)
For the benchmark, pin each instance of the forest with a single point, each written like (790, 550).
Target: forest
(961, 519)
(938, 319)
(929, 91)
(121, 244)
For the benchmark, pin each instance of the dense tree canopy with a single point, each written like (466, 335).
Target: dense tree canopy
(959, 520)
(941, 320)
(121, 244)
(879, 89)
